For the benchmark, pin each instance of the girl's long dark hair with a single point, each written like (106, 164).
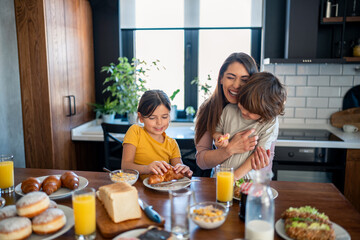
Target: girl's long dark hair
(210, 111)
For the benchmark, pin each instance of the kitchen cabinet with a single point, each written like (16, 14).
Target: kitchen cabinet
(56, 59)
(352, 177)
(305, 35)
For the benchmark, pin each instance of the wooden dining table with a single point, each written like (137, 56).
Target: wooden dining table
(323, 196)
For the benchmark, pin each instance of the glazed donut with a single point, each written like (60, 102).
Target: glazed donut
(32, 204)
(7, 211)
(53, 204)
(49, 221)
(15, 228)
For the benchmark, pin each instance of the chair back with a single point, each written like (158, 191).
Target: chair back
(112, 144)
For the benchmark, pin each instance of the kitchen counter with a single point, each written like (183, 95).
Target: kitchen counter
(91, 131)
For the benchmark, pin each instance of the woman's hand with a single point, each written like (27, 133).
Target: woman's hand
(261, 158)
(241, 142)
(158, 167)
(181, 168)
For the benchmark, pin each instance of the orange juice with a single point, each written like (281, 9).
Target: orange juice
(84, 214)
(6, 174)
(224, 186)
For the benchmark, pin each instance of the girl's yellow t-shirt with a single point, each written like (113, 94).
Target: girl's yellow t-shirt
(148, 149)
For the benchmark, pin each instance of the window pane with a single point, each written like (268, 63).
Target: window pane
(214, 47)
(231, 13)
(168, 47)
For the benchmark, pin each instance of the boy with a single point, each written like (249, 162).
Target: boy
(260, 101)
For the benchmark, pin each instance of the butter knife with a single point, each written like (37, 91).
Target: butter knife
(152, 214)
(174, 182)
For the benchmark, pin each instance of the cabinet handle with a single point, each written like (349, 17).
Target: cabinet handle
(69, 97)
(74, 112)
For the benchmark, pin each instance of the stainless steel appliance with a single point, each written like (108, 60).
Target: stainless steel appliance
(309, 164)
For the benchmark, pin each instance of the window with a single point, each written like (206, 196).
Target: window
(191, 38)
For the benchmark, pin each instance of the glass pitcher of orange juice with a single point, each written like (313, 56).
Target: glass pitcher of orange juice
(224, 185)
(6, 173)
(84, 213)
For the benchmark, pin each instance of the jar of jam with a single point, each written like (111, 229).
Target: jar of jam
(244, 189)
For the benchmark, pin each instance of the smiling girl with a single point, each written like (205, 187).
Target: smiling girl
(148, 149)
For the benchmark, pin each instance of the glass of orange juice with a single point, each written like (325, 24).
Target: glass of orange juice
(6, 173)
(224, 185)
(84, 213)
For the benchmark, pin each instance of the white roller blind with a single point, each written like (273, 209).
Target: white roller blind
(135, 14)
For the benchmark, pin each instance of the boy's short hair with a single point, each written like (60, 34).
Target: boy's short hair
(263, 94)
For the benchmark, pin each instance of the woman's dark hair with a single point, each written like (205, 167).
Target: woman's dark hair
(210, 111)
(263, 94)
(150, 100)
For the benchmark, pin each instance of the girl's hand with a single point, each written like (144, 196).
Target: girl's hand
(158, 167)
(261, 158)
(241, 142)
(222, 141)
(181, 168)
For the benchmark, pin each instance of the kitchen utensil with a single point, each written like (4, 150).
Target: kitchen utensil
(199, 213)
(106, 170)
(124, 175)
(152, 214)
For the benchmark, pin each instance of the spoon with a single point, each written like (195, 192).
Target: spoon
(2, 202)
(106, 170)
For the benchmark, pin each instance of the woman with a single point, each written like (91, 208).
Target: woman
(234, 72)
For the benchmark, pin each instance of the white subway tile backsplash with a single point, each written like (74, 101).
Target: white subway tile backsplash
(306, 91)
(344, 90)
(290, 91)
(285, 69)
(335, 102)
(289, 112)
(356, 80)
(307, 69)
(341, 80)
(326, 112)
(269, 68)
(329, 92)
(330, 69)
(295, 80)
(295, 102)
(294, 120)
(316, 121)
(305, 112)
(315, 91)
(318, 80)
(317, 102)
(349, 69)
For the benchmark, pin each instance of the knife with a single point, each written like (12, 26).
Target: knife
(152, 214)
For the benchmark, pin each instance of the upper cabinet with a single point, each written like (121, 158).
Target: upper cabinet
(312, 31)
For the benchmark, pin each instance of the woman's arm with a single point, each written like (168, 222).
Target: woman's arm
(128, 157)
(206, 157)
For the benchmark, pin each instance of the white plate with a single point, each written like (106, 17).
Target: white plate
(176, 186)
(69, 214)
(132, 233)
(274, 192)
(340, 233)
(62, 192)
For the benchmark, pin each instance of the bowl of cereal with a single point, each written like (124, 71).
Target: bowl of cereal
(124, 175)
(208, 215)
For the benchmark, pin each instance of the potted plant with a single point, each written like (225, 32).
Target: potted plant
(126, 83)
(106, 110)
(173, 113)
(190, 112)
(206, 88)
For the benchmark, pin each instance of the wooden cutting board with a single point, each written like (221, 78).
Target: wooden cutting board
(349, 116)
(109, 229)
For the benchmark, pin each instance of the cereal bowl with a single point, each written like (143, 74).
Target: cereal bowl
(124, 175)
(208, 215)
